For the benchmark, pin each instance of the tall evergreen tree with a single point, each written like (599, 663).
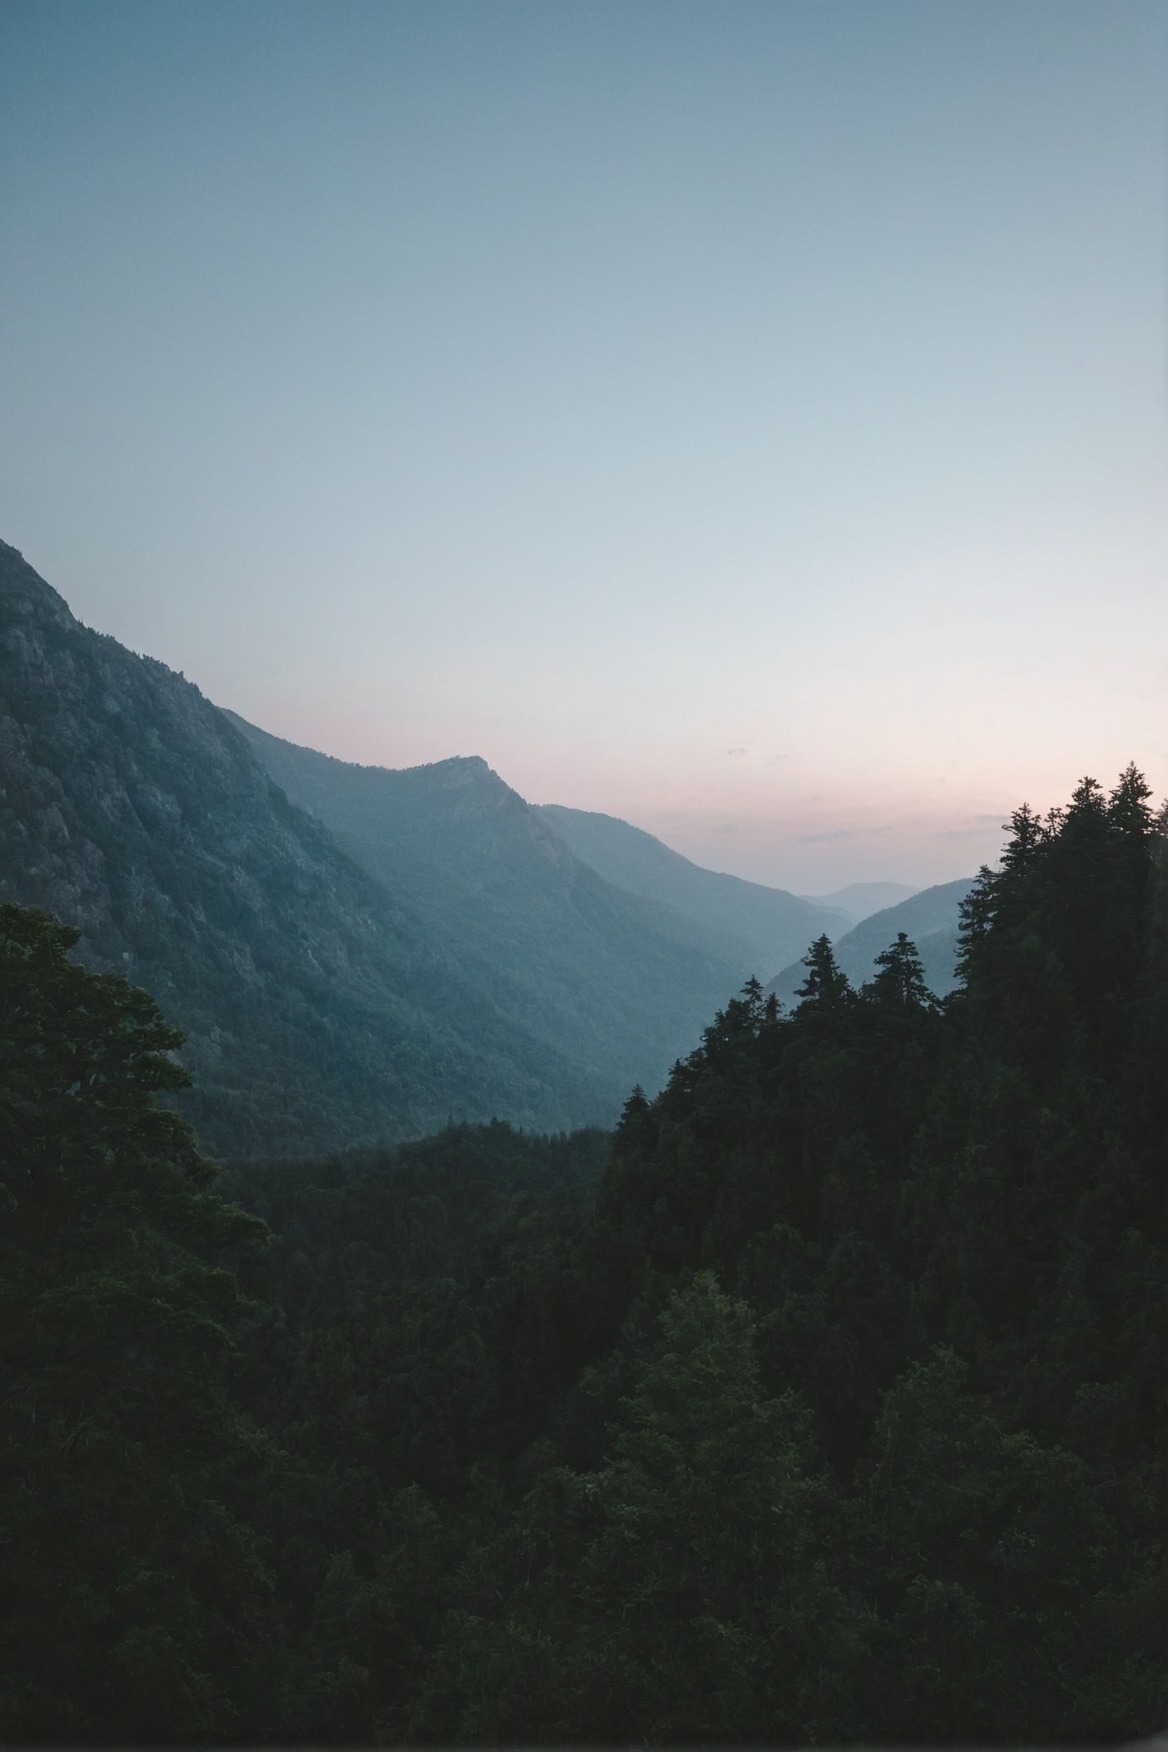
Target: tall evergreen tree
(825, 986)
(900, 983)
(135, 1589)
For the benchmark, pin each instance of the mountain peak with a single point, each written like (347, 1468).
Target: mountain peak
(26, 593)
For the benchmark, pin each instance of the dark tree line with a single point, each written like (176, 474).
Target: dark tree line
(823, 1402)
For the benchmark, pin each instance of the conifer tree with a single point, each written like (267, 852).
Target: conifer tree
(134, 1590)
(825, 985)
(900, 983)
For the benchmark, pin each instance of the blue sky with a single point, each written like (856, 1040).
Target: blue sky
(745, 419)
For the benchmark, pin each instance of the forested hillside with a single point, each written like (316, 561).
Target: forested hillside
(611, 979)
(824, 1403)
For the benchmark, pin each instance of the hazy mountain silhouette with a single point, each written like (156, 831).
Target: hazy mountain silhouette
(320, 1006)
(354, 953)
(616, 981)
(859, 900)
(760, 927)
(929, 918)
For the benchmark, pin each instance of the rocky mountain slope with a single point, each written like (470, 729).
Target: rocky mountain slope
(319, 1006)
(354, 954)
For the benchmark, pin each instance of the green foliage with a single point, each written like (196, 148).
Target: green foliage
(879, 1177)
(991, 1556)
(135, 1587)
(823, 1402)
(679, 1586)
(900, 983)
(825, 986)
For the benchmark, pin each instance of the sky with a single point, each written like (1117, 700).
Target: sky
(746, 419)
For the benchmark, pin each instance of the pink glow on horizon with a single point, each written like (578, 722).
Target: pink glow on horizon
(801, 837)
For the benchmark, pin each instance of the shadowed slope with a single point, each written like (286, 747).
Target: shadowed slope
(618, 984)
(320, 1008)
(761, 927)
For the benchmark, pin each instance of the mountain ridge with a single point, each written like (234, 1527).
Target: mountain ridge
(859, 900)
(597, 965)
(132, 808)
(766, 924)
(339, 981)
(356, 953)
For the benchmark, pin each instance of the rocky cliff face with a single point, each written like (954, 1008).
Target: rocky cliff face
(319, 1008)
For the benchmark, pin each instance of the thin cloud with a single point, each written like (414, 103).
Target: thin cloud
(839, 833)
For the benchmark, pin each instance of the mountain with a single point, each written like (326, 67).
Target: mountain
(621, 984)
(319, 1006)
(763, 927)
(859, 900)
(930, 919)
(354, 954)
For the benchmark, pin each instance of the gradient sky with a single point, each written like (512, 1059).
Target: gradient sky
(747, 419)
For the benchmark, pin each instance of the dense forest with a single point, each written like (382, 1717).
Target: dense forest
(823, 1402)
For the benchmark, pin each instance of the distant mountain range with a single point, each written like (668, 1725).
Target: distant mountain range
(355, 953)
(616, 975)
(860, 899)
(760, 927)
(930, 919)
